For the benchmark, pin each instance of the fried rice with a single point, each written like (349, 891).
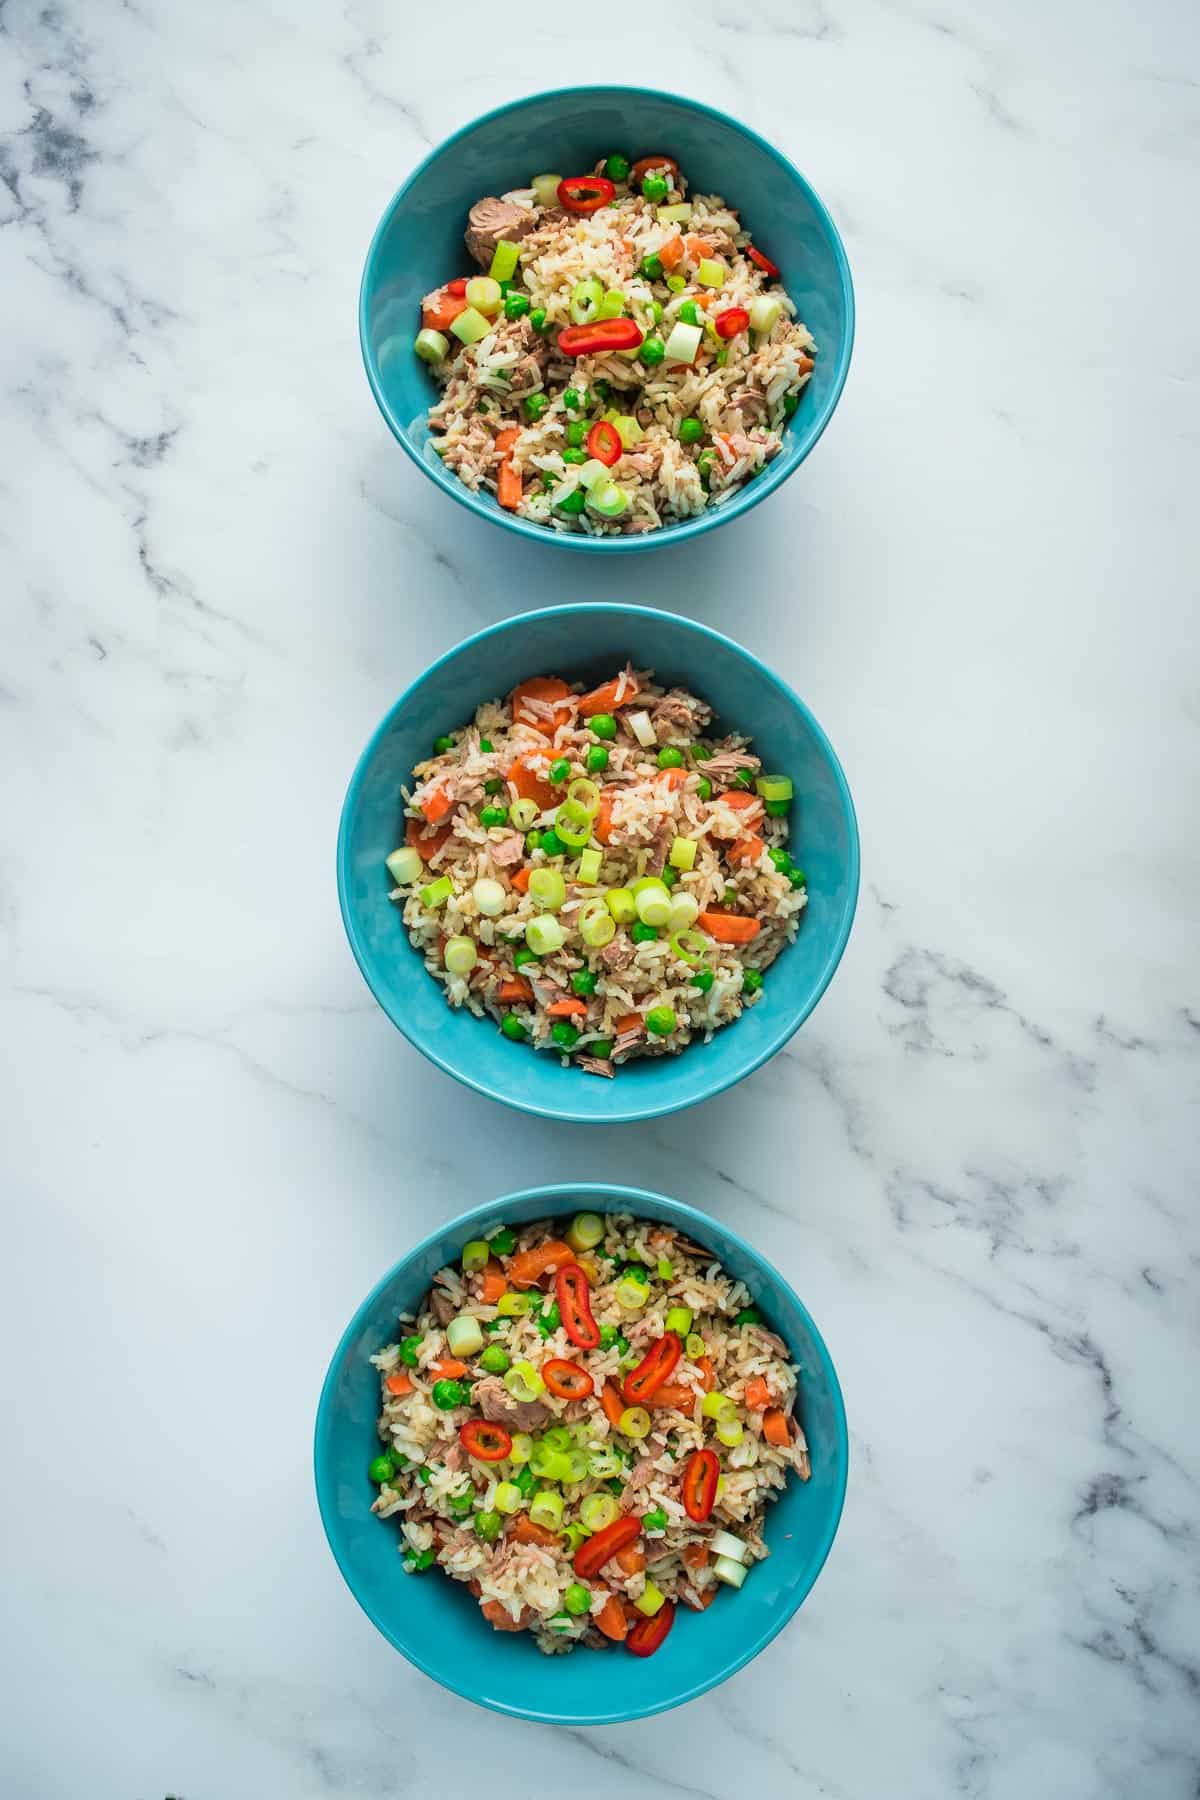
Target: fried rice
(653, 925)
(477, 1447)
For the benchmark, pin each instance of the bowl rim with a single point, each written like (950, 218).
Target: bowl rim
(614, 1114)
(692, 1220)
(752, 493)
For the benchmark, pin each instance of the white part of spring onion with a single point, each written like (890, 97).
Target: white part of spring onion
(724, 1543)
(545, 189)
(522, 1448)
(504, 260)
(514, 1306)
(681, 346)
(464, 1336)
(635, 1423)
(621, 905)
(405, 866)
(431, 346)
(642, 729)
(685, 910)
(599, 1510)
(764, 310)
(585, 1231)
(774, 787)
(631, 1295)
(653, 908)
(547, 1509)
(683, 854)
(695, 1346)
(547, 889)
(651, 1599)
(679, 1319)
(544, 935)
(607, 499)
(470, 325)
(730, 1432)
(461, 955)
(679, 214)
(718, 1406)
(710, 272)
(489, 897)
(597, 926)
(591, 472)
(627, 429)
(484, 295)
(507, 1498)
(523, 812)
(730, 1572)
(589, 867)
(523, 1381)
(475, 1255)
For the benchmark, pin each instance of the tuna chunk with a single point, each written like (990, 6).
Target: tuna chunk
(497, 1404)
(507, 850)
(490, 220)
(618, 955)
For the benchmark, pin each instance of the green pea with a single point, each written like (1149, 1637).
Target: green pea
(574, 502)
(535, 405)
(602, 1047)
(524, 955)
(578, 1599)
(549, 480)
(576, 433)
(744, 778)
(651, 266)
(505, 1242)
(512, 1028)
(604, 725)
(449, 1394)
(749, 1315)
(798, 878)
(381, 1469)
(574, 456)
(603, 390)
(461, 1504)
(643, 934)
(781, 859)
(651, 350)
(615, 1485)
(654, 189)
(751, 981)
(525, 1479)
(655, 1519)
(704, 465)
(790, 403)
(572, 400)
(537, 318)
(533, 840)
(485, 744)
(441, 745)
(408, 1351)
(488, 1526)
(565, 1035)
(492, 787)
(493, 815)
(596, 759)
(424, 1475)
(702, 979)
(494, 1360)
(516, 306)
(669, 757)
(670, 875)
(638, 1272)
(656, 312)
(689, 312)
(777, 809)
(705, 788)
(560, 768)
(583, 981)
(548, 1319)
(420, 1561)
(608, 1336)
(552, 844)
(617, 169)
(690, 431)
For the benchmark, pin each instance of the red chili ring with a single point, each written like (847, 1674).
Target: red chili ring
(652, 1371)
(484, 1441)
(604, 443)
(648, 1634)
(575, 1307)
(762, 262)
(585, 193)
(567, 1381)
(602, 335)
(731, 321)
(701, 1473)
(595, 1551)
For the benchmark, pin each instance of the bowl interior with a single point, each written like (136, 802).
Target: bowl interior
(589, 643)
(436, 1623)
(419, 245)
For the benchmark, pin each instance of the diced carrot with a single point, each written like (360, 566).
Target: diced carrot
(507, 438)
(740, 799)
(775, 1429)
(526, 1531)
(611, 1620)
(499, 1617)
(673, 778)
(670, 254)
(399, 1382)
(758, 1394)
(746, 850)
(629, 1022)
(540, 687)
(708, 1375)
(449, 1369)
(604, 698)
(612, 1403)
(521, 879)
(728, 928)
(510, 489)
(441, 309)
(425, 846)
(631, 1560)
(696, 1556)
(528, 775)
(515, 988)
(436, 805)
(494, 1282)
(698, 247)
(602, 828)
(527, 1265)
(704, 1598)
(674, 1393)
(563, 1009)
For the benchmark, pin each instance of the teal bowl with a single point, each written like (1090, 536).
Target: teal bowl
(436, 1624)
(419, 245)
(588, 642)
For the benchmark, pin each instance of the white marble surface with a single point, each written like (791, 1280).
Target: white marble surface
(977, 1162)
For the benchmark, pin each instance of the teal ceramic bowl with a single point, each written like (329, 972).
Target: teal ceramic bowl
(419, 245)
(434, 1621)
(589, 642)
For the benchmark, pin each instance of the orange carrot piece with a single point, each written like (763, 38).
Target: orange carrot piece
(728, 928)
(425, 846)
(441, 310)
(670, 254)
(631, 1560)
(674, 1393)
(747, 850)
(521, 880)
(708, 1375)
(436, 806)
(494, 1282)
(603, 824)
(673, 778)
(526, 1266)
(604, 698)
(507, 438)
(758, 1394)
(449, 1369)
(740, 799)
(704, 1599)
(399, 1382)
(775, 1429)
(528, 775)
(630, 1022)
(612, 1403)
(526, 1531)
(698, 247)
(516, 988)
(611, 1620)
(540, 687)
(696, 1556)
(499, 1617)
(564, 1009)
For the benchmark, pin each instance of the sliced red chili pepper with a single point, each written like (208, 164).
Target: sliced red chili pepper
(762, 262)
(585, 193)
(701, 1474)
(603, 334)
(643, 166)
(484, 1441)
(575, 1307)
(649, 1634)
(731, 321)
(604, 443)
(644, 1382)
(568, 1381)
(458, 286)
(595, 1551)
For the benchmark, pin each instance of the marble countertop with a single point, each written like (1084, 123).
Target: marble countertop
(976, 1162)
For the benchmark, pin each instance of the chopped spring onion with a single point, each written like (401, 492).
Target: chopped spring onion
(489, 897)
(635, 1422)
(664, 1268)
(710, 272)
(674, 215)
(613, 304)
(557, 1438)
(431, 346)
(586, 300)
(545, 189)
(683, 343)
(731, 1573)
(653, 905)
(593, 471)
(522, 1448)
(694, 1345)
(730, 1432)
(774, 787)
(548, 1464)
(651, 1599)
(631, 1295)
(597, 926)
(574, 1536)
(602, 1464)
(608, 500)
(475, 1255)
(589, 867)
(627, 429)
(679, 1320)
(546, 1509)
(470, 325)
(523, 812)
(621, 905)
(484, 295)
(523, 1382)
(574, 1467)
(437, 893)
(585, 1231)
(584, 794)
(685, 910)
(718, 1406)
(561, 1623)
(683, 854)
(547, 889)
(405, 866)
(544, 935)
(573, 824)
(725, 1543)
(460, 955)
(464, 1337)
(764, 311)
(504, 260)
(513, 1306)
(642, 729)
(507, 1497)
